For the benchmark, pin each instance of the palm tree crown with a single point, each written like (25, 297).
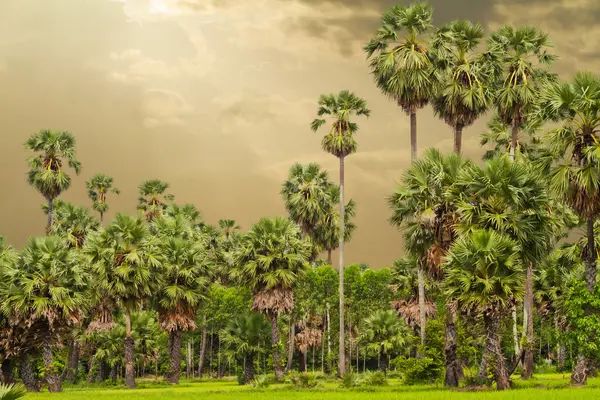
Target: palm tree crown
(98, 187)
(152, 200)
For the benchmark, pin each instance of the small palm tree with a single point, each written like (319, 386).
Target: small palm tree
(270, 259)
(98, 187)
(400, 63)
(125, 259)
(499, 134)
(185, 278)
(46, 170)
(49, 286)
(484, 275)
(341, 143)
(11, 391)
(153, 200)
(465, 91)
(245, 336)
(72, 222)
(521, 54)
(384, 334)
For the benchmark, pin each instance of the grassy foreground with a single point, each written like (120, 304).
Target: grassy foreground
(549, 386)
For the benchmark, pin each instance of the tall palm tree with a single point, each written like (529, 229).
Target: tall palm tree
(125, 258)
(340, 142)
(400, 63)
(484, 274)
(523, 58)
(48, 285)
(465, 91)
(499, 134)
(153, 200)
(46, 170)
(184, 282)
(98, 187)
(384, 333)
(270, 259)
(576, 177)
(245, 336)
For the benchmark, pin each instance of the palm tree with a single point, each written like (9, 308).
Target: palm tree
(11, 391)
(483, 274)
(48, 284)
(270, 259)
(327, 231)
(576, 177)
(184, 275)
(341, 143)
(384, 333)
(522, 54)
(245, 336)
(98, 187)
(72, 222)
(125, 258)
(152, 200)
(499, 134)
(46, 170)
(400, 63)
(465, 91)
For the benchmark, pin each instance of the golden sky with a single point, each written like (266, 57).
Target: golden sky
(216, 96)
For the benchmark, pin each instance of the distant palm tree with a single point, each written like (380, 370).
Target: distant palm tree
(384, 333)
(46, 170)
(72, 222)
(499, 134)
(400, 62)
(341, 143)
(153, 200)
(98, 187)
(270, 259)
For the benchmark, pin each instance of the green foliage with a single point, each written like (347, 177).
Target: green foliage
(418, 370)
(98, 187)
(261, 382)
(583, 315)
(305, 380)
(350, 380)
(375, 378)
(12, 391)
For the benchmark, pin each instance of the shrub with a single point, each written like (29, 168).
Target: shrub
(376, 378)
(11, 392)
(414, 370)
(304, 380)
(261, 382)
(350, 380)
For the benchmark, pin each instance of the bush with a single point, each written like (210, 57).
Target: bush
(304, 380)
(414, 370)
(262, 381)
(350, 380)
(377, 378)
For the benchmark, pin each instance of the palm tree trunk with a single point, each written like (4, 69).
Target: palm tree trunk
(6, 371)
(129, 372)
(560, 347)
(275, 348)
(342, 354)
(527, 371)
(413, 135)
(452, 365)
(101, 218)
(113, 373)
(422, 316)
(248, 368)
(329, 258)
(590, 263)
(458, 131)
(513, 140)
(27, 374)
(54, 384)
(50, 212)
(291, 335)
(493, 350)
(515, 332)
(202, 346)
(175, 356)
(303, 359)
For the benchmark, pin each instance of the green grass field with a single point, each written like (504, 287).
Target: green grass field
(548, 386)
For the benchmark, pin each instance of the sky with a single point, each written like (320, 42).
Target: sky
(216, 97)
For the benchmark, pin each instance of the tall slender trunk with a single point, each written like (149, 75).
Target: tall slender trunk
(188, 365)
(329, 256)
(291, 337)
(75, 362)
(342, 355)
(527, 371)
(493, 350)
(66, 374)
(328, 365)
(560, 347)
(513, 139)
(458, 131)
(113, 373)
(175, 356)
(413, 135)
(202, 346)
(27, 374)
(101, 218)
(50, 213)
(248, 368)
(275, 348)
(91, 363)
(515, 331)
(54, 384)
(101, 373)
(129, 372)
(452, 365)
(422, 316)
(303, 357)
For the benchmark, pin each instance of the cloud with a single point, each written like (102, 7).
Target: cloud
(164, 107)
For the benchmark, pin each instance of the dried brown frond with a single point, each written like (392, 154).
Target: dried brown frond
(276, 301)
(309, 337)
(103, 320)
(181, 317)
(409, 311)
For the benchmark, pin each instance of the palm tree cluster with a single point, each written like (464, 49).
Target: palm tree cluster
(486, 245)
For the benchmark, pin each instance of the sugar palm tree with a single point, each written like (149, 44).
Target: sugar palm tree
(125, 258)
(153, 200)
(270, 259)
(384, 333)
(72, 222)
(46, 169)
(499, 135)
(49, 285)
(245, 336)
(400, 63)
(484, 274)
(522, 54)
(465, 91)
(184, 282)
(98, 187)
(576, 177)
(340, 142)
